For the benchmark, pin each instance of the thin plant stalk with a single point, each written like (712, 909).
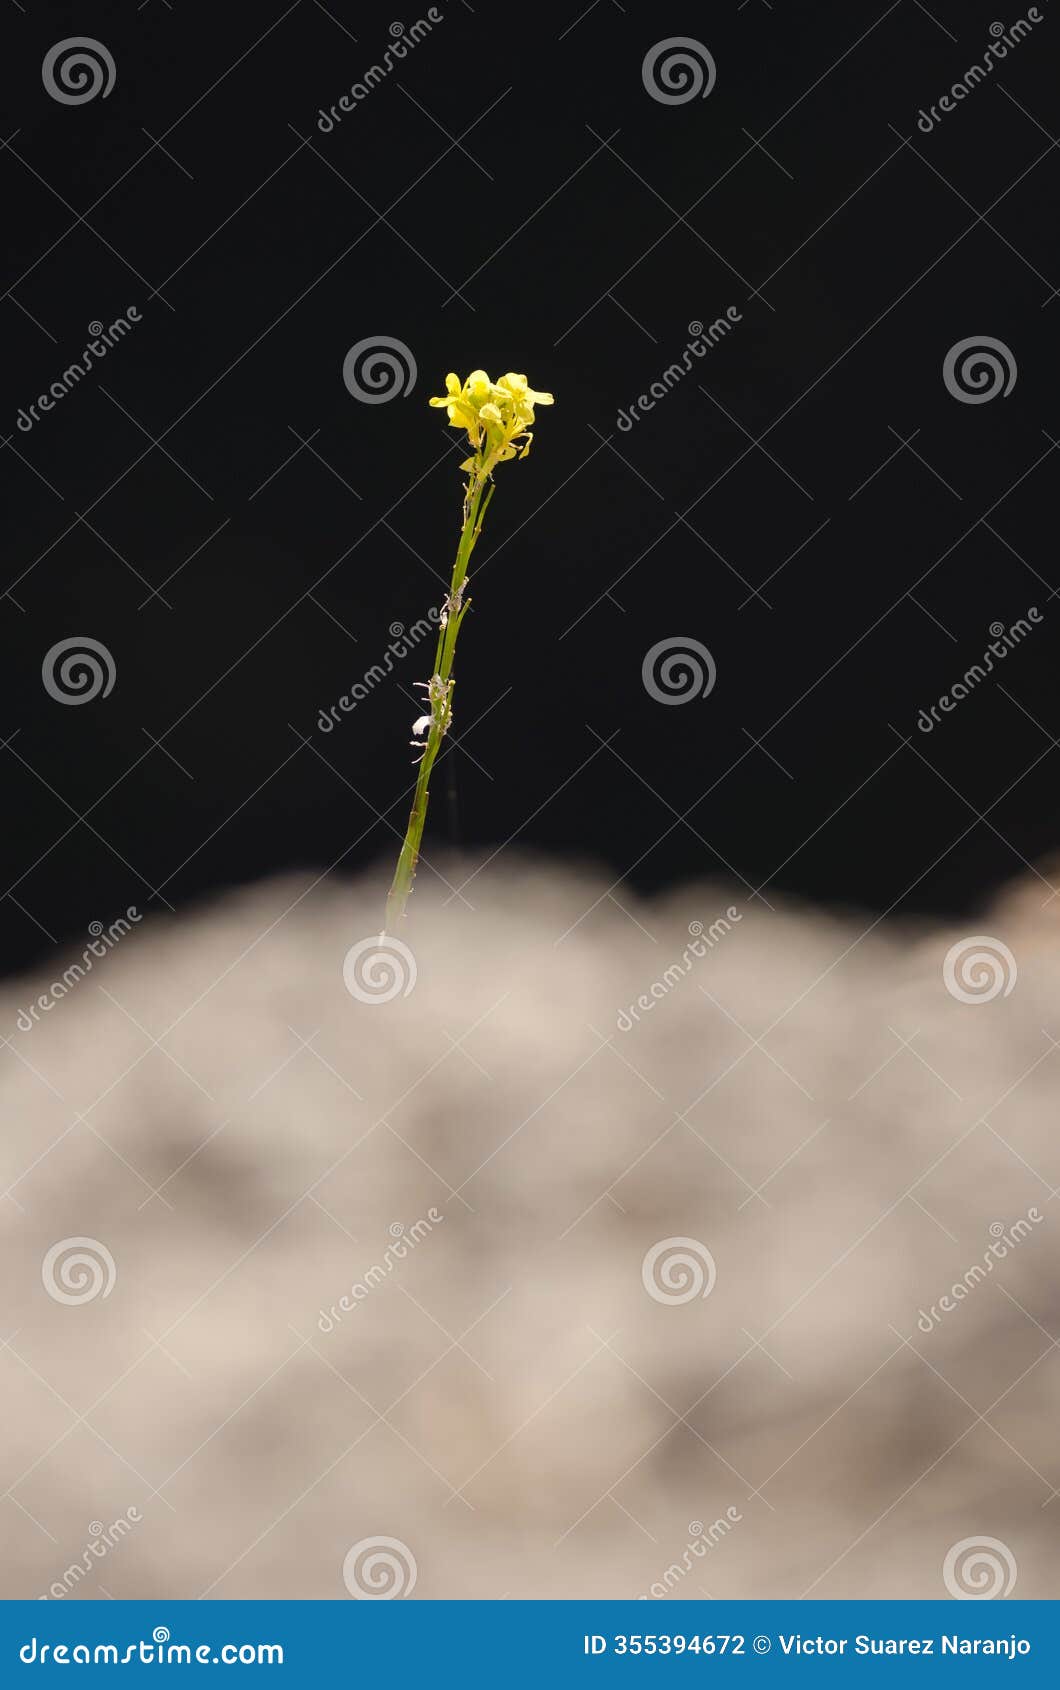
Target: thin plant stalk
(498, 418)
(439, 692)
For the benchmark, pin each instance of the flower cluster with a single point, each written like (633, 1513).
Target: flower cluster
(498, 416)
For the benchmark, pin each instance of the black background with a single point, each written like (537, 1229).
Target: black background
(240, 532)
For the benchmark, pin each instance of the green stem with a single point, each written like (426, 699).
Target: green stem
(440, 688)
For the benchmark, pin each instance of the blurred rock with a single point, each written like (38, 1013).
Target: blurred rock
(824, 1123)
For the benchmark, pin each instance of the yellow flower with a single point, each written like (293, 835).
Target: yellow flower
(497, 416)
(517, 387)
(458, 404)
